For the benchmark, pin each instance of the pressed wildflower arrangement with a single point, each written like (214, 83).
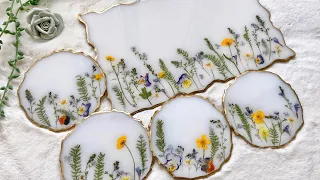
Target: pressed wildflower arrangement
(272, 124)
(203, 150)
(128, 158)
(148, 72)
(61, 103)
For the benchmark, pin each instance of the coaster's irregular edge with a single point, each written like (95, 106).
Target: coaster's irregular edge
(57, 51)
(194, 92)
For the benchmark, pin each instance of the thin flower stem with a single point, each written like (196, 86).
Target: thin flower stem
(170, 87)
(190, 77)
(134, 164)
(233, 61)
(120, 84)
(212, 73)
(164, 88)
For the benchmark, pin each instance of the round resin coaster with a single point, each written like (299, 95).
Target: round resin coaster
(263, 109)
(61, 89)
(190, 137)
(156, 49)
(108, 145)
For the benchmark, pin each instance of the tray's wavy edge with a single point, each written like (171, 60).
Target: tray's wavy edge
(102, 112)
(35, 62)
(245, 139)
(194, 92)
(210, 102)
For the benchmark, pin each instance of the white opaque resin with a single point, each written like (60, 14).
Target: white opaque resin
(51, 94)
(148, 34)
(184, 122)
(99, 135)
(263, 109)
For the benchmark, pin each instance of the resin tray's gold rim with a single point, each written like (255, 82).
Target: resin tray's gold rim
(103, 112)
(194, 92)
(245, 139)
(209, 101)
(35, 62)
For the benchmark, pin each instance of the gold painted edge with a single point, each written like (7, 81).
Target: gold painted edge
(223, 114)
(194, 92)
(103, 112)
(245, 139)
(34, 63)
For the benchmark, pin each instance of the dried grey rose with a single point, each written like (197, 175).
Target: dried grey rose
(44, 24)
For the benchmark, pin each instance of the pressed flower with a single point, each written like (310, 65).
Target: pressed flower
(186, 83)
(64, 120)
(126, 177)
(258, 117)
(156, 95)
(161, 74)
(203, 142)
(141, 81)
(63, 102)
(173, 160)
(264, 133)
(207, 165)
(259, 59)
(188, 162)
(98, 76)
(278, 49)
(121, 142)
(227, 42)
(110, 58)
(209, 65)
(291, 120)
(248, 56)
(84, 109)
(182, 78)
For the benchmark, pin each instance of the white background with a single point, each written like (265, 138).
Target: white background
(27, 152)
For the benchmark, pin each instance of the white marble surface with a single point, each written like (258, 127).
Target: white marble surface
(27, 152)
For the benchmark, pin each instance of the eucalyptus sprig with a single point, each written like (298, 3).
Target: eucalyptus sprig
(17, 30)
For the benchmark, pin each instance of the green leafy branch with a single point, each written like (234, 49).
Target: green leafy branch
(160, 142)
(145, 94)
(41, 112)
(142, 149)
(169, 76)
(75, 163)
(214, 139)
(119, 95)
(99, 172)
(245, 123)
(15, 71)
(83, 89)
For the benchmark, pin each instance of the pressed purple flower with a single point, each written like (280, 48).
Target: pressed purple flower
(84, 109)
(139, 171)
(276, 40)
(286, 129)
(235, 57)
(182, 78)
(281, 92)
(147, 83)
(297, 107)
(259, 59)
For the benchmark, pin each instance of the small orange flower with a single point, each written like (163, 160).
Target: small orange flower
(227, 42)
(209, 65)
(121, 142)
(203, 142)
(141, 81)
(291, 120)
(156, 95)
(161, 74)
(110, 58)
(210, 166)
(258, 117)
(98, 76)
(63, 102)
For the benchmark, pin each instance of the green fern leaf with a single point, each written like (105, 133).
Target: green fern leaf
(119, 96)
(168, 75)
(41, 112)
(160, 142)
(142, 149)
(99, 172)
(245, 123)
(83, 89)
(216, 62)
(274, 135)
(214, 139)
(183, 53)
(67, 113)
(75, 163)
